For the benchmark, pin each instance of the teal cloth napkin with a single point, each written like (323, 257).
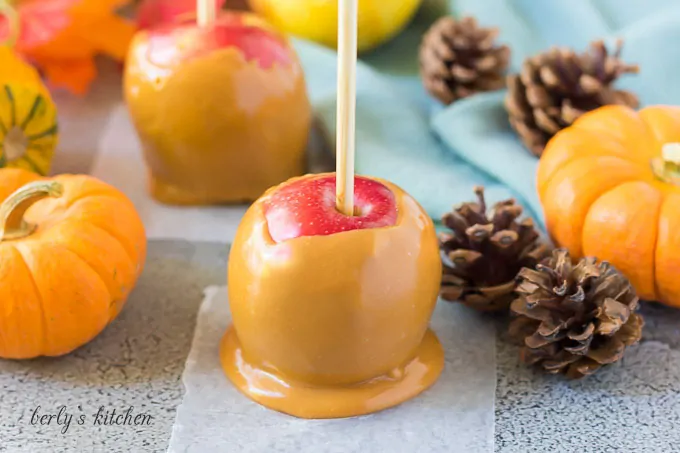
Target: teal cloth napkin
(439, 153)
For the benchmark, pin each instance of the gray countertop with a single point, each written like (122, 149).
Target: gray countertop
(138, 361)
(631, 406)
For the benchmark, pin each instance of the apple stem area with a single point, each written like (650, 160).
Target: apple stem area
(346, 114)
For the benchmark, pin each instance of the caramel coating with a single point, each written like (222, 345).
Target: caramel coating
(334, 326)
(217, 128)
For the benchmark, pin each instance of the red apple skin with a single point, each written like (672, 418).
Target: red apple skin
(176, 43)
(152, 13)
(307, 207)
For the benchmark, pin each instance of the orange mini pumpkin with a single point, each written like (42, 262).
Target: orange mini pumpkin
(610, 188)
(71, 249)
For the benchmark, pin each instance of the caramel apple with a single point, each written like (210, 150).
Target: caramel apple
(331, 312)
(221, 110)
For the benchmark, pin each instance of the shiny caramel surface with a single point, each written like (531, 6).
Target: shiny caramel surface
(216, 126)
(337, 325)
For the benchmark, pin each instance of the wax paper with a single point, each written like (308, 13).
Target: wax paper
(455, 415)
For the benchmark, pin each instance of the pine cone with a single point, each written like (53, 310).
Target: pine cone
(483, 254)
(458, 59)
(574, 319)
(554, 88)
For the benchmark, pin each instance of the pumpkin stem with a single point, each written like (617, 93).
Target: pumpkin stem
(12, 210)
(667, 167)
(12, 15)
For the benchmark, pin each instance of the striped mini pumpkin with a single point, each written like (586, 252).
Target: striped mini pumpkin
(28, 117)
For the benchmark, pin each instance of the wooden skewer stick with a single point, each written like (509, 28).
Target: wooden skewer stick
(346, 115)
(206, 12)
(8, 11)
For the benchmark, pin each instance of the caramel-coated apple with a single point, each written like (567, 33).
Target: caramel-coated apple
(221, 111)
(331, 312)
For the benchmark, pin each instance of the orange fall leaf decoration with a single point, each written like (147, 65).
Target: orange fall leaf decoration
(62, 37)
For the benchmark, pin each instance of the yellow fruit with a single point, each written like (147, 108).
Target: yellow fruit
(317, 20)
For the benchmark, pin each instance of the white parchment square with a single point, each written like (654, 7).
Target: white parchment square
(455, 415)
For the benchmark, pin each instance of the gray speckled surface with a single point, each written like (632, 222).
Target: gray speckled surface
(138, 361)
(630, 406)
